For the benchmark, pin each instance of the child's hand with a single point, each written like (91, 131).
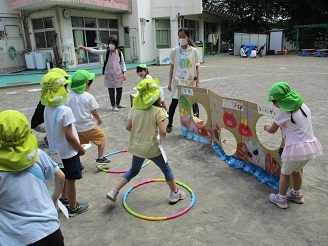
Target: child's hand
(81, 150)
(169, 87)
(99, 122)
(79, 46)
(266, 127)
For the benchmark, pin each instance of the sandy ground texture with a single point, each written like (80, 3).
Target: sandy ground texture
(232, 207)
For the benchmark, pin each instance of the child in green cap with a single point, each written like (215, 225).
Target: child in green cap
(143, 72)
(63, 138)
(145, 120)
(27, 211)
(295, 121)
(84, 107)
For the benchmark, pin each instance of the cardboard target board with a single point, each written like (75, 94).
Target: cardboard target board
(189, 96)
(236, 116)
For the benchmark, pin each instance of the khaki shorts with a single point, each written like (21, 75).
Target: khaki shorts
(95, 136)
(289, 167)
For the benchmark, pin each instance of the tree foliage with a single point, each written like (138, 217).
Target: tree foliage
(260, 16)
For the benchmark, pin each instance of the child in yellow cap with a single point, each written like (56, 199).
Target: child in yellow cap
(37, 120)
(145, 120)
(84, 107)
(295, 121)
(63, 138)
(27, 211)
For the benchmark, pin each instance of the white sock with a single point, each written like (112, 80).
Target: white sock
(281, 196)
(297, 192)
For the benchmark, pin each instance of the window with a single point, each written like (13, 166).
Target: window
(193, 27)
(44, 32)
(163, 37)
(93, 33)
(126, 37)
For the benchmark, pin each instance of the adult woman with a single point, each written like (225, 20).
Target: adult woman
(114, 71)
(183, 71)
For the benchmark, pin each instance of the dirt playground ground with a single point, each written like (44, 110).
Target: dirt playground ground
(231, 207)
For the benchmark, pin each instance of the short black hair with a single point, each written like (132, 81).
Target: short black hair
(90, 82)
(140, 69)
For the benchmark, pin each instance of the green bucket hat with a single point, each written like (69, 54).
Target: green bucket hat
(79, 80)
(18, 145)
(143, 66)
(148, 93)
(288, 100)
(53, 90)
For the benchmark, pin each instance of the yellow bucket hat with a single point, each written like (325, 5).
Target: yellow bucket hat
(148, 93)
(60, 71)
(18, 145)
(53, 90)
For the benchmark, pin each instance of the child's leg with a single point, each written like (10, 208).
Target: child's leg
(283, 184)
(133, 171)
(167, 171)
(64, 191)
(101, 149)
(71, 193)
(297, 180)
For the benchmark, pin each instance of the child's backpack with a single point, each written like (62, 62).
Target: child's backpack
(107, 55)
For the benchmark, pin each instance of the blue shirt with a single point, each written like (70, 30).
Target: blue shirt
(27, 212)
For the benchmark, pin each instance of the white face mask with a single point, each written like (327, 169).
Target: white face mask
(111, 46)
(183, 41)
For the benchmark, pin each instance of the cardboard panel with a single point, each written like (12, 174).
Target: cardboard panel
(216, 116)
(187, 97)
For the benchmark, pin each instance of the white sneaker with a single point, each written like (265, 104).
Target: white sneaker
(114, 108)
(112, 194)
(175, 197)
(120, 106)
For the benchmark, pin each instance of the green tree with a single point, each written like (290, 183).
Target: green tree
(260, 16)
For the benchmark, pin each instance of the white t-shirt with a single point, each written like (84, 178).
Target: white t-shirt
(185, 63)
(64, 118)
(253, 54)
(27, 212)
(81, 106)
(299, 132)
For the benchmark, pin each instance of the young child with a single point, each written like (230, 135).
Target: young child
(295, 121)
(84, 107)
(63, 138)
(37, 121)
(145, 119)
(143, 72)
(27, 211)
(183, 71)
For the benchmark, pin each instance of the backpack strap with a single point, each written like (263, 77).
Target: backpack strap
(105, 62)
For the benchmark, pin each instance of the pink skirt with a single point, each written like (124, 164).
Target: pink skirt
(302, 151)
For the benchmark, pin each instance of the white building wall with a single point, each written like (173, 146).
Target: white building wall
(11, 35)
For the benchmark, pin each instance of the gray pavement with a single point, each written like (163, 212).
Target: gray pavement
(232, 207)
